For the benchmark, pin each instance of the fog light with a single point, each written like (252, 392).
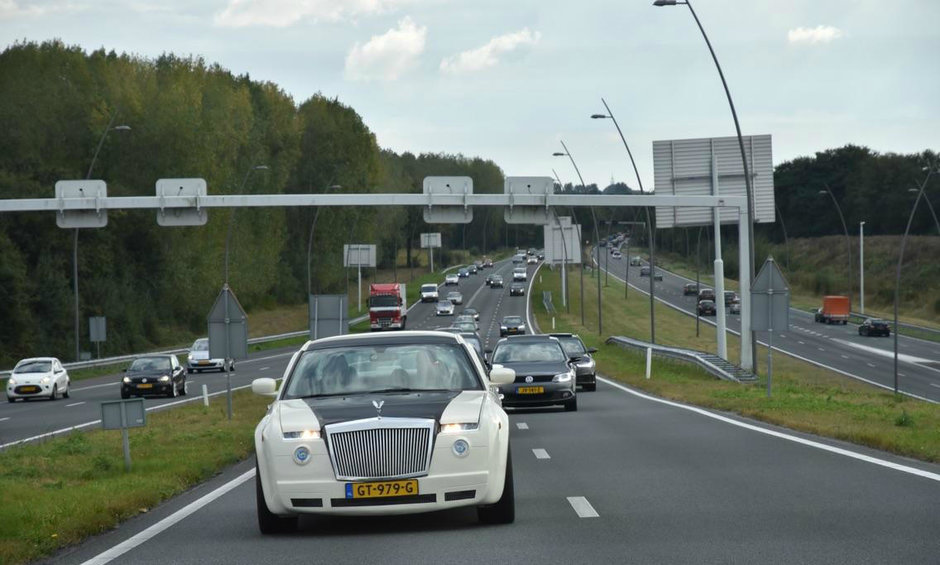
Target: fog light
(461, 448)
(302, 455)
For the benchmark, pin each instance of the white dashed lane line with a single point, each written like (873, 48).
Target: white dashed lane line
(73, 404)
(541, 454)
(522, 425)
(801, 343)
(845, 356)
(4, 419)
(872, 365)
(264, 368)
(931, 384)
(582, 507)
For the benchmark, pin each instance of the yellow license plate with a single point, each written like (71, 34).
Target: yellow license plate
(29, 389)
(148, 385)
(203, 363)
(382, 489)
(530, 390)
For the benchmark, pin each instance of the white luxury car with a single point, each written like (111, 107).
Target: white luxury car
(39, 377)
(371, 424)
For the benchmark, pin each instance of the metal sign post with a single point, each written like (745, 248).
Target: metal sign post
(124, 414)
(359, 256)
(429, 241)
(228, 334)
(770, 296)
(97, 330)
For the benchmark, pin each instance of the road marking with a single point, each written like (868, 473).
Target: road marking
(95, 386)
(931, 384)
(845, 356)
(522, 425)
(801, 343)
(264, 368)
(781, 435)
(820, 348)
(919, 361)
(582, 507)
(541, 454)
(174, 518)
(74, 404)
(901, 375)
(4, 419)
(872, 365)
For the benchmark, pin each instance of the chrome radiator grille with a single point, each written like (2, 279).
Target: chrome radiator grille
(380, 448)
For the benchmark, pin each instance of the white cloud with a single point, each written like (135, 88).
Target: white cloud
(818, 34)
(284, 13)
(12, 9)
(387, 56)
(487, 55)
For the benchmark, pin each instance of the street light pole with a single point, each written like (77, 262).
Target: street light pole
(649, 222)
(861, 267)
(848, 241)
(231, 218)
(597, 238)
(91, 167)
(897, 279)
(313, 227)
(748, 350)
(564, 267)
(786, 240)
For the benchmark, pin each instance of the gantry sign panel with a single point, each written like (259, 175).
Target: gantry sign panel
(692, 166)
(448, 214)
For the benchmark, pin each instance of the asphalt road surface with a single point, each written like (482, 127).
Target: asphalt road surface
(626, 479)
(836, 347)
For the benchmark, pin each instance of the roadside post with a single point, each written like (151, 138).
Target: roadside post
(359, 256)
(770, 297)
(429, 241)
(97, 331)
(121, 415)
(228, 334)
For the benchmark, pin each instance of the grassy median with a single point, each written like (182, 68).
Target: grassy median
(58, 492)
(805, 397)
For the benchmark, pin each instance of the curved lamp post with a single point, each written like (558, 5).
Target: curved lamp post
(786, 240)
(649, 223)
(597, 237)
(929, 207)
(848, 241)
(111, 127)
(313, 227)
(897, 280)
(231, 218)
(564, 249)
(748, 181)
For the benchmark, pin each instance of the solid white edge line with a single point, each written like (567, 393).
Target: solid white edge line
(179, 515)
(541, 453)
(790, 353)
(781, 435)
(582, 507)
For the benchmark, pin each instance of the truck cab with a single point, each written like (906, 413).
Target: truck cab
(387, 306)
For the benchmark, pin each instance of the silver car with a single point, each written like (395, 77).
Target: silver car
(198, 359)
(445, 308)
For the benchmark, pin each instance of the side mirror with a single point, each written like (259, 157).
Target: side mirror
(264, 387)
(574, 358)
(500, 375)
(592, 350)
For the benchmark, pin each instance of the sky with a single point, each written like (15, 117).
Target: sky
(508, 80)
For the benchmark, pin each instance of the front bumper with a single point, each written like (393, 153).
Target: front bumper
(203, 364)
(134, 389)
(28, 390)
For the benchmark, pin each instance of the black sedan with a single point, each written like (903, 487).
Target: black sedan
(517, 289)
(544, 373)
(154, 375)
(580, 356)
(511, 325)
(497, 281)
(874, 326)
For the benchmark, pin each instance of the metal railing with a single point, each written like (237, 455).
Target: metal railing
(713, 365)
(547, 301)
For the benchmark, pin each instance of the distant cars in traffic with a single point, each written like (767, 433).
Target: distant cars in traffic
(444, 308)
(644, 271)
(160, 375)
(463, 273)
(636, 261)
(690, 289)
(198, 359)
(451, 279)
(532, 260)
(487, 263)
(616, 254)
(38, 377)
(517, 289)
(706, 308)
(511, 325)
(466, 318)
(735, 308)
(455, 297)
(472, 312)
(518, 258)
(874, 326)
(497, 281)
(519, 274)
(544, 375)
(473, 269)
(706, 294)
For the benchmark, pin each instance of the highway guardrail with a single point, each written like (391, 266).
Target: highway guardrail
(713, 364)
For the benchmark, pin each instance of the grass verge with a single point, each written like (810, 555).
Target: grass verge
(805, 397)
(58, 492)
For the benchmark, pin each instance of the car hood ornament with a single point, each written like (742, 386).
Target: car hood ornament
(378, 407)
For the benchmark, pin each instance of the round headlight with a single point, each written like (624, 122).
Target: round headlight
(164, 379)
(302, 455)
(11, 381)
(44, 380)
(127, 379)
(461, 448)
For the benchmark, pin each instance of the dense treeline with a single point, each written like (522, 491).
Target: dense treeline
(187, 118)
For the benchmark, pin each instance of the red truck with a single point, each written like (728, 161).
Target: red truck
(835, 310)
(387, 306)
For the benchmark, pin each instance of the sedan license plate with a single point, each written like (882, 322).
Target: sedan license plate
(29, 388)
(530, 390)
(382, 489)
(203, 362)
(148, 385)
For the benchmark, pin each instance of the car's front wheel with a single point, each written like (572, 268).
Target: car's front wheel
(268, 522)
(67, 392)
(55, 392)
(504, 511)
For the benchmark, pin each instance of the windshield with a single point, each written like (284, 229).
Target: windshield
(444, 304)
(527, 351)
(512, 320)
(33, 367)
(201, 345)
(150, 364)
(362, 369)
(383, 301)
(454, 295)
(429, 288)
(573, 346)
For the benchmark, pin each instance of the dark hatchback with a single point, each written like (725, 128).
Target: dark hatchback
(874, 326)
(517, 289)
(160, 375)
(544, 373)
(511, 325)
(706, 308)
(497, 281)
(580, 356)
